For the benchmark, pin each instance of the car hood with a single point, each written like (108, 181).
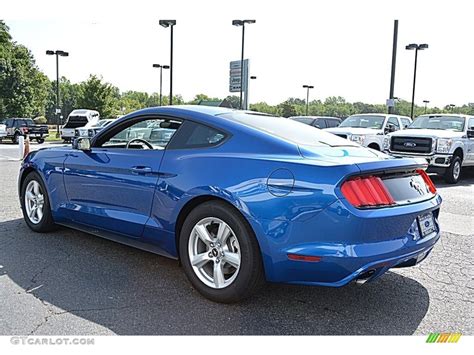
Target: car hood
(438, 133)
(349, 130)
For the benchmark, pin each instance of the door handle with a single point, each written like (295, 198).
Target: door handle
(141, 170)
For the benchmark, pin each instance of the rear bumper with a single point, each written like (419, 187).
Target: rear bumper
(349, 243)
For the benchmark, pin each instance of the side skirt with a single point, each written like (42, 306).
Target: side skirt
(122, 239)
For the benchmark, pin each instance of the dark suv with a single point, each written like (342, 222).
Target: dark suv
(318, 121)
(16, 127)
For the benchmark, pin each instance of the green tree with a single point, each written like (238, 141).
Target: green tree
(286, 109)
(23, 88)
(234, 100)
(94, 94)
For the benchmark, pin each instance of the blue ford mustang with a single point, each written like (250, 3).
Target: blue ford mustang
(238, 197)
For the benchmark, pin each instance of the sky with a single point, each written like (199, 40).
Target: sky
(342, 47)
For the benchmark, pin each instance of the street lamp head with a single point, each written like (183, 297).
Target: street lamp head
(237, 22)
(253, 77)
(426, 101)
(165, 66)
(167, 23)
(156, 65)
(411, 46)
(249, 21)
(48, 52)
(62, 53)
(308, 86)
(422, 46)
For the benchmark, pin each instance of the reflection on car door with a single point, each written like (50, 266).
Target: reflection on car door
(112, 189)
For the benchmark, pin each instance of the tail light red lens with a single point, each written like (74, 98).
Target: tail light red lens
(367, 192)
(24, 129)
(427, 180)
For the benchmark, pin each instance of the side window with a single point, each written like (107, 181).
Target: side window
(8, 123)
(332, 123)
(147, 134)
(393, 121)
(405, 122)
(320, 123)
(194, 135)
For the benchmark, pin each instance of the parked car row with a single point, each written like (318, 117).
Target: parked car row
(446, 141)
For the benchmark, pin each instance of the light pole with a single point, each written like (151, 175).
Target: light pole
(242, 23)
(416, 47)
(57, 53)
(161, 77)
(307, 87)
(426, 102)
(171, 24)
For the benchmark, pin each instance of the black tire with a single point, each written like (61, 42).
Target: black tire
(46, 224)
(250, 276)
(40, 140)
(451, 176)
(16, 138)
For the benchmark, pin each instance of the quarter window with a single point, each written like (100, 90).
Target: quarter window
(195, 135)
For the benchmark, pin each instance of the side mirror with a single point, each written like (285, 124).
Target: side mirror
(83, 144)
(470, 133)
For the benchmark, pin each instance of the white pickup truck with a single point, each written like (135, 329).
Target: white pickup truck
(369, 129)
(446, 141)
(76, 119)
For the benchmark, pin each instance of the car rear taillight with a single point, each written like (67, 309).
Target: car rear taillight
(367, 192)
(24, 130)
(427, 180)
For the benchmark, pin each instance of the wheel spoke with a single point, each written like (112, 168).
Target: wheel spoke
(36, 188)
(219, 279)
(32, 212)
(232, 259)
(39, 213)
(29, 195)
(203, 234)
(200, 260)
(223, 233)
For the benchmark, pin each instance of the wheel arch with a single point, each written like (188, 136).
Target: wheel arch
(198, 200)
(459, 152)
(24, 173)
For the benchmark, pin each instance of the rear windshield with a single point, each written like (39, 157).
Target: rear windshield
(288, 129)
(451, 123)
(75, 122)
(364, 121)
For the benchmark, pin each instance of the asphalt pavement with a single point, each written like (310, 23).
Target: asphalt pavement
(72, 283)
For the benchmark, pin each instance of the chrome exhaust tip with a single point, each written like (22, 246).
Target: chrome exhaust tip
(364, 277)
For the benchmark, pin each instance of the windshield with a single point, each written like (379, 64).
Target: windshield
(288, 130)
(363, 121)
(450, 123)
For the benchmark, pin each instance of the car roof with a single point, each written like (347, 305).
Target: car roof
(446, 115)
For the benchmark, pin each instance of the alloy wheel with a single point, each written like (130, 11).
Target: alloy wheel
(34, 202)
(214, 252)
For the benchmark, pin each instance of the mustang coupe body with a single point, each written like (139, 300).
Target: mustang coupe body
(238, 197)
